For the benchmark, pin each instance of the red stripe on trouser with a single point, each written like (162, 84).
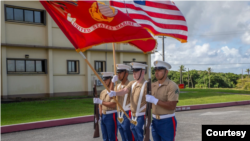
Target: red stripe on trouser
(174, 126)
(115, 127)
(131, 131)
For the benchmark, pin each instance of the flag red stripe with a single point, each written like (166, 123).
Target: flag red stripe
(156, 16)
(156, 32)
(114, 118)
(133, 138)
(161, 5)
(167, 26)
(174, 126)
(152, 14)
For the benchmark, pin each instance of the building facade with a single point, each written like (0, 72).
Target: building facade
(37, 60)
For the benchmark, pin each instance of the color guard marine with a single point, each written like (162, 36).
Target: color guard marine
(137, 90)
(164, 98)
(107, 110)
(123, 122)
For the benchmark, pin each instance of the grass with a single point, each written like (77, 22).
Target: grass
(206, 96)
(23, 112)
(223, 90)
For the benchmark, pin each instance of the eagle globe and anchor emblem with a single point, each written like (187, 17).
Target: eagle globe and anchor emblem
(101, 12)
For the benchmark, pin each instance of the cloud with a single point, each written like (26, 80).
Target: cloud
(230, 52)
(215, 20)
(218, 35)
(246, 38)
(221, 59)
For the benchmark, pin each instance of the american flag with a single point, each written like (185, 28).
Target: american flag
(161, 18)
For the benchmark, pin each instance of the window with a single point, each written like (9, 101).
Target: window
(100, 66)
(131, 71)
(26, 66)
(73, 66)
(27, 15)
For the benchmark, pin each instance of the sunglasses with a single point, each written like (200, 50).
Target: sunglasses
(159, 68)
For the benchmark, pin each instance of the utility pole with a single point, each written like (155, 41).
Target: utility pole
(180, 74)
(242, 75)
(188, 77)
(163, 54)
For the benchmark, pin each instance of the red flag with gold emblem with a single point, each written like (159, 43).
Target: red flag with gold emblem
(90, 23)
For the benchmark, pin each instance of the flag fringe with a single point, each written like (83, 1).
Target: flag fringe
(162, 34)
(127, 41)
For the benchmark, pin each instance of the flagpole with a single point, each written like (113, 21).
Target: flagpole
(113, 44)
(86, 60)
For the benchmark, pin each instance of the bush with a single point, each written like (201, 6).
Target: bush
(243, 84)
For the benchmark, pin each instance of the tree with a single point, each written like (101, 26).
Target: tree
(153, 78)
(181, 70)
(248, 70)
(188, 77)
(193, 77)
(191, 80)
(209, 71)
(199, 78)
(243, 84)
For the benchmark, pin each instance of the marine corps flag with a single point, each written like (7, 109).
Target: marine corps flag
(90, 23)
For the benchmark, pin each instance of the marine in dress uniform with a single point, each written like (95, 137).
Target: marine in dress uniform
(107, 110)
(165, 95)
(122, 121)
(138, 90)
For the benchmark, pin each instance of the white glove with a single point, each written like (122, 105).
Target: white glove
(115, 78)
(112, 93)
(151, 99)
(97, 100)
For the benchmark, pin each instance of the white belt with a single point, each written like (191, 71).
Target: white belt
(163, 116)
(109, 112)
(138, 114)
(127, 107)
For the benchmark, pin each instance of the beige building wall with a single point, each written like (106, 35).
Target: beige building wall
(64, 82)
(18, 52)
(30, 4)
(48, 42)
(26, 83)
(24, 34)
(59, 39)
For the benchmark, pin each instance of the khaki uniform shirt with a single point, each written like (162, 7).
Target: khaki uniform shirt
(168, 91)
(121, 98)
(134, 97)
(105, 98)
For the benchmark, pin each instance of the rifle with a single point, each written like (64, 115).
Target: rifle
(96, 114)
(147, 121)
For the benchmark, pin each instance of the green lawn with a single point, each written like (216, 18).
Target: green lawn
(22, 112)
(205, 96)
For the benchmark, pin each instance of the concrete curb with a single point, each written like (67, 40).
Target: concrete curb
(83, 119)
(44, 124)
(213, 105)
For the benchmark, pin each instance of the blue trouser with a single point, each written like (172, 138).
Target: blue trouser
(109, 127)
(164, 129)
(137, 130)
(124, 128)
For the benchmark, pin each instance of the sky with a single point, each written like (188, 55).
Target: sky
(218, 36)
